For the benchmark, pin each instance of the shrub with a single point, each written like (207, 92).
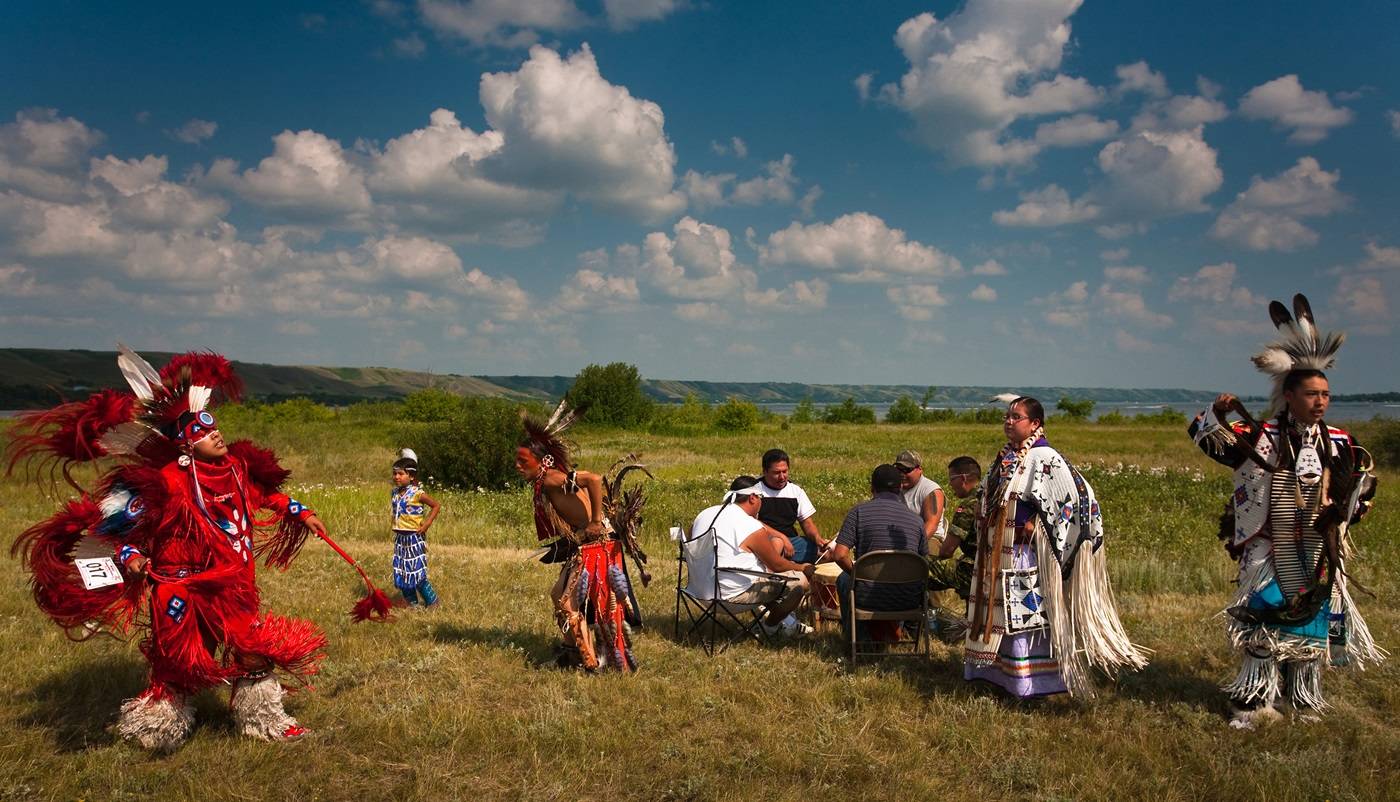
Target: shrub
(431, 405)
(736, 416)
(1076, 408)
(474, 448)
(804, 412)
(612, 393)
(295, 410)
(1383, 441)
(904, 410)
(848, 411)
(691, 416)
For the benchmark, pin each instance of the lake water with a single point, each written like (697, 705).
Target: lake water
(1338, 412)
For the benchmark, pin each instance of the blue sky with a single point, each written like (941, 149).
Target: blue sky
(1001, 192)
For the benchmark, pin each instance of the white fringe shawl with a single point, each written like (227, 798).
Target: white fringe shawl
(1085, 630)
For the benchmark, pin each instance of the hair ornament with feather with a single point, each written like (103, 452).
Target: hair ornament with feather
(1299, 346)
(546, 438)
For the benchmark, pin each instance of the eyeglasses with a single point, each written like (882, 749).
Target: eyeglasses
(962, 475)
(1012, 418)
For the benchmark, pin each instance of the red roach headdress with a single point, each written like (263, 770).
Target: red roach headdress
(162, 409)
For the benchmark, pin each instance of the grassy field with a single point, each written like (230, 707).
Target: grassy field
(459, 702)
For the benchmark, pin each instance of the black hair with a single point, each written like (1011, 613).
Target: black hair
(774, 455)
(406, 465)
(1297, 376)
(743, 482)
(964, 464)
(534, 447)
(886, 479)
(1033, 408)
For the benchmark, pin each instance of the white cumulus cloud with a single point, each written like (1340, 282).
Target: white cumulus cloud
(195, 131)
(858, 245)
(1269, 215)
(1308, 115)
(987, 65)
(307, 175)
(567, 128)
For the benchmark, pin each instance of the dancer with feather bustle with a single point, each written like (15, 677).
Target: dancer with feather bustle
(1299, 486)
(589, 524)
(166, 546)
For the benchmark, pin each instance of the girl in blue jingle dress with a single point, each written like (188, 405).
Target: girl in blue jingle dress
(407, 503)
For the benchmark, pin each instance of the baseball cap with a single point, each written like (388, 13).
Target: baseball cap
(908, 459)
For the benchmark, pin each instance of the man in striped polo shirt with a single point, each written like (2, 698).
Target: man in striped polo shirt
(884, 522)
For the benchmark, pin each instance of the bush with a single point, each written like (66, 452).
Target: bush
(904, 410)
(691, 416)
(474, 448)
(1076, 408)
(431, 405)
(804, 412)
(736, 416)
(848, 411)
(612, 393)
(295, 410)
(1383, 441)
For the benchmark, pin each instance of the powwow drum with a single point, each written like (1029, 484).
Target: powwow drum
(823, 597)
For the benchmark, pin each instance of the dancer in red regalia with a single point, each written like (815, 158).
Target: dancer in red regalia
(184, 516)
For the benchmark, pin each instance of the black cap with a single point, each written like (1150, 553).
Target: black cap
(886, 478)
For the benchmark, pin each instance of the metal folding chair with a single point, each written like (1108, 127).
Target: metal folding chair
(890, 567)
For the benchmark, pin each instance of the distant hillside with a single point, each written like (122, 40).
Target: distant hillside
(33, 377)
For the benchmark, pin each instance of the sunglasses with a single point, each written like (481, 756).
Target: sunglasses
(905, 470)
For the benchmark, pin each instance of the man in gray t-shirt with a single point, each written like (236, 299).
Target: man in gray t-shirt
(880, 524)
(921, 494)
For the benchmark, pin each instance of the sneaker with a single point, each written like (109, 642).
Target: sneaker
(294, 732)
(789, 627)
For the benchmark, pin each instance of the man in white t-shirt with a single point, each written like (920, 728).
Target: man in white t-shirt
(922, 495)
(744, 544)
(787, 509)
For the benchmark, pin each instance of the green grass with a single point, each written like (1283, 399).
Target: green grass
(454, 703)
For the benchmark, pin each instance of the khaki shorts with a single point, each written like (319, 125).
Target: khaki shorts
(771, 590)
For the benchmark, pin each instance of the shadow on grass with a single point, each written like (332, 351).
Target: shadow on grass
(1167, 679)
(77, 703)
(538, 648)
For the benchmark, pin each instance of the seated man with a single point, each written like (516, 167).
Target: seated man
(882, 523)
(921, 494)
(745, 544)
(964, 479)
(786, 506)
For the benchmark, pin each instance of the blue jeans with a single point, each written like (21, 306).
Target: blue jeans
(804, 550)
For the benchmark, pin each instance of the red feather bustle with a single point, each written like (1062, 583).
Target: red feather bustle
(68, 434)
(47, 551)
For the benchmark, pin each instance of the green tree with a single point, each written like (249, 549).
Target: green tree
(430, 405)
(475, 447)
(1076, 408)
(904, 410)
(736, 416)
(848, 411)
(927, 397)
(612, 393)
(804, 412)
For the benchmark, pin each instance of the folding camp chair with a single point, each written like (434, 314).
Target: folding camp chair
(708, 617)
(890, 567)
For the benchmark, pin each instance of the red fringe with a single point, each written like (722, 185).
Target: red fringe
(374, 606)
(206, 369)
(278, 549)
(68, 433)
(46, 549)
(292, 644)
(261, 463)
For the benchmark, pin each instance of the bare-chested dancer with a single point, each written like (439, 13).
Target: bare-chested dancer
(592, 598)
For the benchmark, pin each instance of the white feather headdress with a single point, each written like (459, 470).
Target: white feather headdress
(1299, 346)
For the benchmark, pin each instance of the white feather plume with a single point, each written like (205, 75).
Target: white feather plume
(115, 501)
(199, 397)
(408, 453)
(138, 373)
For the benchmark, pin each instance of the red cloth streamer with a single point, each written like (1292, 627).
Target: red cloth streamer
(375, 605)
